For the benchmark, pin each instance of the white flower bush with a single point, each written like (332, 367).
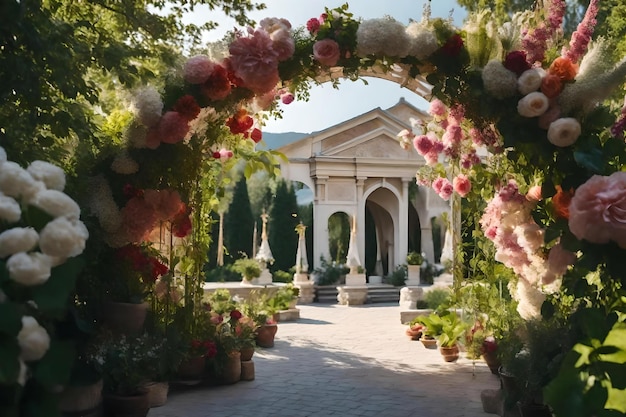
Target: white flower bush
(32, 243)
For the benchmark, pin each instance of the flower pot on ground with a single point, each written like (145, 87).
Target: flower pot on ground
(449, 353)
(81, 399)
(125, 318)
(116, 405)
(429, 342)
(247, 352)
(191, 369)
(231, 371)
(265, 335)
(157, 393)
(451, 331)
(414, 331)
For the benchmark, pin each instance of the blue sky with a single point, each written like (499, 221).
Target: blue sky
(328, 106)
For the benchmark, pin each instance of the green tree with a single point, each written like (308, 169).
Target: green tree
(238, 222)
(58, 56)
(282, 224)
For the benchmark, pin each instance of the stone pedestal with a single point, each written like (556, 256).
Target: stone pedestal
(409, 297)
(413, 275)
(352, 295)
(306, 287)
(247, 370)
(287, 315)
(355, 279)
(264, 279)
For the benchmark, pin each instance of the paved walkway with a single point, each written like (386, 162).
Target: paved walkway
(343, 361)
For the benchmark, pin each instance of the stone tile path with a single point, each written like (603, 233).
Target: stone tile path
(343, 361)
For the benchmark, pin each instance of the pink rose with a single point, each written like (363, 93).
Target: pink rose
(438, 183)
(597, 212)
(422, 144)
(286, 98)
(254, 60)
(446, 190)
(326, 52)
(462, 185)
(437, 108)
(313, 25)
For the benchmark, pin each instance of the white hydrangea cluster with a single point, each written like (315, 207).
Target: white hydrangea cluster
(147, 106)
(499, 81)
(103, 206)
(30, 256)
(385, 36)
(422, 40)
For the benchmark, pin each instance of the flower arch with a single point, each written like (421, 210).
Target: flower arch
(513, 113)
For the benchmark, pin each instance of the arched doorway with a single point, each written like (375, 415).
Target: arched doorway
(338, 237)
(381, 204)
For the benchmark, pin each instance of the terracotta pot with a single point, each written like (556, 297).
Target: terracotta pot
(246, 353)
(125, 318)
(265, 335)
(450, 354)
(492, 361)
(413, 334)
(533, 410)
(126, 406)
(191, 369)
(429, 343)
(81, 399)
(231, 372)
(157, 393)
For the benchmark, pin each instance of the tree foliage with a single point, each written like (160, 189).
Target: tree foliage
(58, 56)
(283, 238)
(238, 222)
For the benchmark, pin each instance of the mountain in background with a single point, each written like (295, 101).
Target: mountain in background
(276, 140)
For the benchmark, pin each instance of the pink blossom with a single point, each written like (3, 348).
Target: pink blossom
(437, 145)
(491, 232)
(457, 113)
(462, 185)
(431, 157)
(165, 203)
(446, 190)
(422, 144)
(453, 135)
(287, 98)
(326, 52)
(313, 25)
(283, 44)
(560, 259)
(534, 193)
(254, 60)
(598, 210)
(437, 108)
(438, 183)
(198, 69)
(226, 153)
(582, 36)
(138, 219)
(173, 127)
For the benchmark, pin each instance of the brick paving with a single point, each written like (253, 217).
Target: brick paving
(343, 361)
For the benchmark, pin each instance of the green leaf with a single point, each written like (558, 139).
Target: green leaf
(593, 160)
(10, 319)
(36, 217)
(55, 367)
(52, 296)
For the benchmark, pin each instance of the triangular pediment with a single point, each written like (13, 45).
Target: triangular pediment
(378, 146)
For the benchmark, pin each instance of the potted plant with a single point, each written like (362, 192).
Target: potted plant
(433, 326)
(451, 331)
(414, 261)
(415, 329)
(126, 364)
(248, 268)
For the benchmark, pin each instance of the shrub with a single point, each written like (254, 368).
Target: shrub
(437, 298)
(222, 274)
(398, 277)
(329, 273)
(282, 276)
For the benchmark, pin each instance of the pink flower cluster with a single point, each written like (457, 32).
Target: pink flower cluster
(519, 244)
(535, 42)
(582, 36)
(146, 208)
(254, 58)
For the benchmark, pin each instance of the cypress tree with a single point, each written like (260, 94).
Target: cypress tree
(283, 220)
(238, 223)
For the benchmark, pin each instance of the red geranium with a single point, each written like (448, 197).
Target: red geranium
(240, 122)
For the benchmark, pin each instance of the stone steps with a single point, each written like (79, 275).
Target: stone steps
(327, 294)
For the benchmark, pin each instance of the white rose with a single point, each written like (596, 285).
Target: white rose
(29, 268)
(15, 181)
(51, 175)
(530, 80)
(10, 210)
(63, 238)
(3, 155)
(564, 132)
(533, 104)
(18, 239)
(33, 339)
(56, 204)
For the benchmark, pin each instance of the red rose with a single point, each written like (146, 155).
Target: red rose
(515, 61)
(453, 46)
(256, 135)
(240, 122)
(187, 107)
(218, 85)
(313, 25)
(235, 315)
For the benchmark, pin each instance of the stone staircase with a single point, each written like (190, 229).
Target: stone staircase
(327, 294)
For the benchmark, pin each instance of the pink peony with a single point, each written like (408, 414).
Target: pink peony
(422, 144)
(559, 260)
(446, 190)
(254, 60)
(462, 185)
(326, 52)
(597, 212)
(453, 135)
(217, 86)
(173, 127)
(431, 158)
(437, 108)
(438, 183)
(198, 69)
(283, 44)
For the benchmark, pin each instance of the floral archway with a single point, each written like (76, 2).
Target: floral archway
(517, 129)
